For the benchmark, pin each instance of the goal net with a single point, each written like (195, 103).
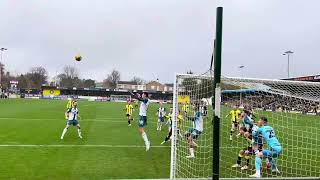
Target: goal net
(292, 109)
(192, 94)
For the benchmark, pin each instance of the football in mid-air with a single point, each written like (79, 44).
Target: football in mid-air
(78, 57)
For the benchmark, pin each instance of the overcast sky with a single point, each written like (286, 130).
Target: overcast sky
(156, 38)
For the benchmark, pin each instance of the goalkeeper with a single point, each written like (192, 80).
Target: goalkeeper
(268, 134)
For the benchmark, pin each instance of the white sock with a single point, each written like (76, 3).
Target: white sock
(258, 171)
(160, 126)
(79, 132)
(64, 132)
(145, 138)
(191, 152)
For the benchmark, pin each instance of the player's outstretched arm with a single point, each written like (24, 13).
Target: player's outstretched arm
(136, 96)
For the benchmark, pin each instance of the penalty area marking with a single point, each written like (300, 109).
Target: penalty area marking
(104, 120)
(85, 119)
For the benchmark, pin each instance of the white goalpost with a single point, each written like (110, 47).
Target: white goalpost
(292, 109)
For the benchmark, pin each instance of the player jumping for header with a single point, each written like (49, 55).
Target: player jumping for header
(144, 104)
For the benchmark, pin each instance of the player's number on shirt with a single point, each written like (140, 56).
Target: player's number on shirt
(271, 135)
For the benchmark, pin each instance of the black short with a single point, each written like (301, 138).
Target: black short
(235, 123)
(127, 115)
(248, 130)
(249, 149)
(170, 133)
(260, 143)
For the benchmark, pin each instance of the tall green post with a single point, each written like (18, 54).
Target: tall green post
(217, 95)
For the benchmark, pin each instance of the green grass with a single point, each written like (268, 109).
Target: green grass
(110, 149)
(299, 136)
(40, 122)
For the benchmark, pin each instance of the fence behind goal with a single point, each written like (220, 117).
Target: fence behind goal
(292, 109)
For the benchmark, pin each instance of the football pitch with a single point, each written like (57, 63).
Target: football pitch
(30, 145)
(31, 148)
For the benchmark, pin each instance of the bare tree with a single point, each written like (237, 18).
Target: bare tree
(137, 80)
(70, 72)
(6, 78)
(112, 79)
(69, 78)
(37, 76)
(89, 83)
(23, 81)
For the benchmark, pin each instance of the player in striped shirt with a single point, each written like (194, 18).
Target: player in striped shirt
(129, 111)
(169, 119)
(179, 121)
(69, 103)
(248, 151)
(186, 109)
(161, 114)
(144, 104)
(72, 115)
(235, 114)
(246, 120)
